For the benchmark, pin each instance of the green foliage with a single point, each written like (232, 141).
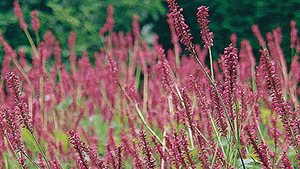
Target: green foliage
(83, 17)
(65, 104)
(230, 16)
(63, 137)
(28, 139)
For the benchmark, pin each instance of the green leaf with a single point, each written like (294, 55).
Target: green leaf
(29, 140)
(265, 113)
(65, 104)
(63, 137)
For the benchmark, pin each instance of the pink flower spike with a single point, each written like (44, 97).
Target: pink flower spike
(35, 22)
(294, 34)
(207, 36)
(182, 29)
(260, 39)
(136, 27)
(18, 12)
(110, 21)
(79, 146)
(13, 83)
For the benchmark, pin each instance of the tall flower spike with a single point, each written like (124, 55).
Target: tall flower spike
(35, 22)
(147, 150)
(230, 68)
(294, 34)
(18, 12)
(10, 128)
(260, 39)
(286, 163)
(188, 106)
(109, 25)
(112, 66)
(182, 29)
(278, 102)
(261, 150)
(79, 147)
(136, 27)
(13, 84)
(119, 155)
(207, 36)
(165, 70)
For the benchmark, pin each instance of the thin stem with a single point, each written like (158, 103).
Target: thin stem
(237, 129)
(199, 132)
(22, 153)
(217, 91)
(11, 147)
(142, 118)
(227, 115)
(37, 39)
(218, 137)
(214, 158)
(211, 63)
(34, 49)
(164, 142)
(23, 74)
(40, 148)
(36, 166)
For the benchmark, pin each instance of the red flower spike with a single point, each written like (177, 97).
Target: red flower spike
(182, 29)
(13, 83)
(260, 39)
(147, 151)
(35, 22)
(110, 21)
(18, 12)
(207, 36)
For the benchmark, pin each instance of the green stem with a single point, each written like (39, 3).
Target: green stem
(237, 129)
(211, 63)
(143, 120)
(199, 132)
(214, 158)
(36, 166)
(223, 105)
(23, 74)
(217, 134)
(34, 49)
(11, 147)
(40, 148)
(37, 39)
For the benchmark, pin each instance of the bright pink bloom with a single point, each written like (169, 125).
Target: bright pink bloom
(207, 36)
(79, 146)
(35, 22)
(260, 39)
(18, 12)
(109, 25)
(12, 81)
(136, 27)
(182, 29)
(294, 34)
(147, 150)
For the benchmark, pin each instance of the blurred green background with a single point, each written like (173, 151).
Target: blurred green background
(88, 16)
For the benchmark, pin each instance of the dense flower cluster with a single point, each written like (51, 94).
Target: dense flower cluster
(18, 12)
(109, 25)
(35, 22)
(13, 84)
(207, 36)
(182, 29)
